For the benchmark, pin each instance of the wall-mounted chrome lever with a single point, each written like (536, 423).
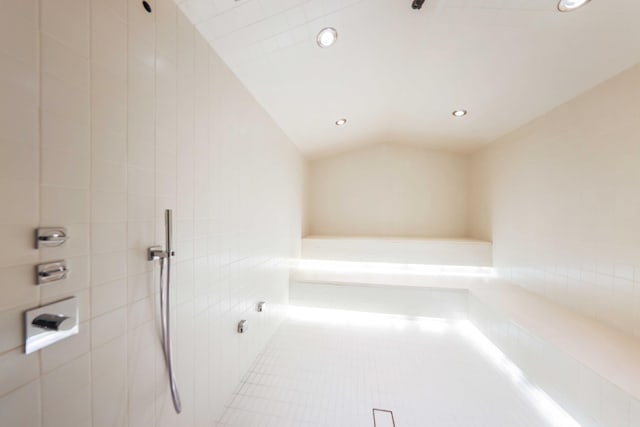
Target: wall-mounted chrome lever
(51, 236)
(51, 272)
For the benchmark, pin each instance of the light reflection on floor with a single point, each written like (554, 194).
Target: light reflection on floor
(331, 367)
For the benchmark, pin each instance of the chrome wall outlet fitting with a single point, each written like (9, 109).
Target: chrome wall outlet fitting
(50, 323)
(242, 326)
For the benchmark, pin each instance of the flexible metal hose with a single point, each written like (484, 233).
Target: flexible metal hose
(165, 310)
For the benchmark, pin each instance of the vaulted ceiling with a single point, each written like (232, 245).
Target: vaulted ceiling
(397, 74)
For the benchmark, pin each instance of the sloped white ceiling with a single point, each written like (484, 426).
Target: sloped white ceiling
(397, 74)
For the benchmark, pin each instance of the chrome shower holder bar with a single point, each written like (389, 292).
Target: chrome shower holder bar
(156, 252)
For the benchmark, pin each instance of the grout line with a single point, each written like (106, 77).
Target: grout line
(90, 199)
(127, 303)
(39, 137)
(155, 201)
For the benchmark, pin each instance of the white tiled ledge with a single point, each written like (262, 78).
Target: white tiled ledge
(389, 274)
(464, 252)
(610, 353)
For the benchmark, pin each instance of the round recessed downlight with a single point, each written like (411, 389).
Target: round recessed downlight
(460, 113)
(327, 37)
(341, 122)
(569, 5)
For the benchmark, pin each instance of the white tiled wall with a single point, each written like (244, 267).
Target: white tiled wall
(108, 116)
(589, 398)
(559, 198)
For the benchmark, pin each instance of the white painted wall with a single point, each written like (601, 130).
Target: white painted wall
(389, 190)
(560, 198)
(108, 116)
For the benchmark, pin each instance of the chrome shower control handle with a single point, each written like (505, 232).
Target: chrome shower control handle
(51, 272)
(51, 236)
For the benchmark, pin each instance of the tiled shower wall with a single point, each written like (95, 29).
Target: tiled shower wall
(108, 116)
(559, 198)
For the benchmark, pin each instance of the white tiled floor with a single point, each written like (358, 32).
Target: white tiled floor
(326, 370)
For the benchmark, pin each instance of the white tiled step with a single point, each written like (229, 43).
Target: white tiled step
(462, 252)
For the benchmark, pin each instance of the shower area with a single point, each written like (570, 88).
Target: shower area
(196, 233)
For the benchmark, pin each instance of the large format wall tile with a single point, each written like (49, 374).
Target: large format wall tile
(109, 116)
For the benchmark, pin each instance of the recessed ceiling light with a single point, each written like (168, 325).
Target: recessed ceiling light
(341, 122)
(460, 113)
(327, 37)
(569, 5)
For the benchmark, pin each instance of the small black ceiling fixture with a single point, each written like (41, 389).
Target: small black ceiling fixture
(147, 6)
(417, 4)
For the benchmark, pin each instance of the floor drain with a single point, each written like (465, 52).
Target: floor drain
(383, 418)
